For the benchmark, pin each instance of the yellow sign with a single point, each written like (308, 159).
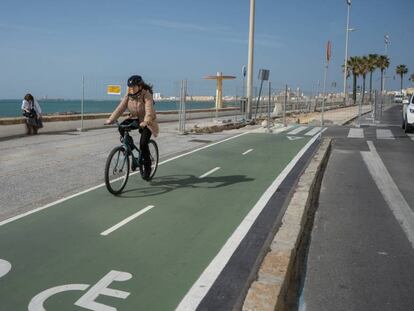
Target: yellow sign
(114, 90)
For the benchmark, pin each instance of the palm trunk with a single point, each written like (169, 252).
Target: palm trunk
(354, 95)
(370, 86)
(363, 88)
(402, 77)
(382, 80)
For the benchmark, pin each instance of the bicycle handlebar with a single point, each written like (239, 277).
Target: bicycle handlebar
(120, 125)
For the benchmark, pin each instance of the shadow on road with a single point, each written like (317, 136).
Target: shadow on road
(167, 184)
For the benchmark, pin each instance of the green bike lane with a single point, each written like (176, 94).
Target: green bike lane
(161, 253)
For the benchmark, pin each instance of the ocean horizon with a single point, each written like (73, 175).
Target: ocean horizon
(12, 107)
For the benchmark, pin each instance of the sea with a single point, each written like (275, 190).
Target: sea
(12, 107)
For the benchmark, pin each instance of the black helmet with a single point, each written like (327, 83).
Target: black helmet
(135, 80)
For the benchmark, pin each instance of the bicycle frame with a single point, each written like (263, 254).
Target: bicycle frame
(128, 143)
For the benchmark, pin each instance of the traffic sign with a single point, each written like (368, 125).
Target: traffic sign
(114, 90)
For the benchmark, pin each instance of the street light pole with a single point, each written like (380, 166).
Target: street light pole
(346, 50)
(386, 42)
(250, 61)
(82, 101)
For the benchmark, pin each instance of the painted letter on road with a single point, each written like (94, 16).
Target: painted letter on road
(87, 301)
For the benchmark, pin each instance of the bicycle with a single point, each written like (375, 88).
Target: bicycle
(118, 165)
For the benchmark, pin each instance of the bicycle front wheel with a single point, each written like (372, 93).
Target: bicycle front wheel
(117, 170)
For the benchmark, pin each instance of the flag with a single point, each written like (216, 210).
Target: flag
(328, 50)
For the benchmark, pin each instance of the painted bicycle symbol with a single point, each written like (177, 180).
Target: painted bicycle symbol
(88, 300)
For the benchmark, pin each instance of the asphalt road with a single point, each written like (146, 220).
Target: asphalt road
(361, 254)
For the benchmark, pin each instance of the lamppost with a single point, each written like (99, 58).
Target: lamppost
(348, 2)
(250, 61)
(386, 42)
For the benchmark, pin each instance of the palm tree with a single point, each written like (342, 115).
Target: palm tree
(372, 66)
(383, 63)
(401, 70)
(363, 70)
(354, 67)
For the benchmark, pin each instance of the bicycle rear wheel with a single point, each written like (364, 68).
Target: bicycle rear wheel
(153, 147)
(154, 156)
(117, 170)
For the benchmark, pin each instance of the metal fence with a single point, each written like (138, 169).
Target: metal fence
(192, 100)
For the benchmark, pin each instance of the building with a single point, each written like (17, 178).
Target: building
(157, 96)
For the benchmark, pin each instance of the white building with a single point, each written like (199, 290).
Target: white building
(157, 96)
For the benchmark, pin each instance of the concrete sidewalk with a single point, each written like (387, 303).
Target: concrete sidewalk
(339, 116)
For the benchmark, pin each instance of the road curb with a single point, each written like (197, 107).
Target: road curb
(349, 120)
(278, 274)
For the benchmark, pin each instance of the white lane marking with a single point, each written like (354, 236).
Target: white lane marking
(294, 137)
(275, 129)
(5, 267)
(389, 190)
(313, 131)
(14, 218)
(248, 151)
(356, 133)
(209, 172)
(200, 288)
(282, 129)
(384, 134)
(297, 130)
(127, 220)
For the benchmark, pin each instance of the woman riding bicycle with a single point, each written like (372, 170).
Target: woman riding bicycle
(140, 103)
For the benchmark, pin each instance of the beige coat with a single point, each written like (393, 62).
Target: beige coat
(140, 107)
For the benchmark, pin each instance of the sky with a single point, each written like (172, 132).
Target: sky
(47, 46)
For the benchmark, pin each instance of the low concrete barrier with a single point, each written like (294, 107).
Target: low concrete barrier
(277, 279)
(76, 117)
